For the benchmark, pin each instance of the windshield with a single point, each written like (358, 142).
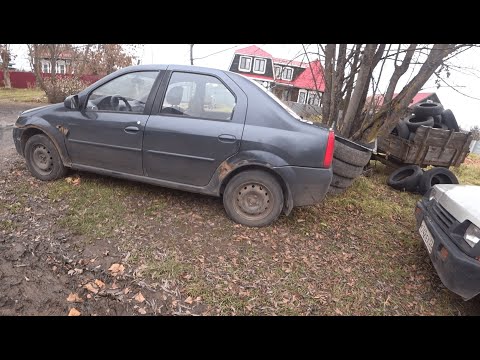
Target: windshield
(278, 101)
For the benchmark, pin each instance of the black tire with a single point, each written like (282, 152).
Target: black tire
(253, 198)
(415, 122)
(350, 155)
(406, 177)
(42, 158)
(449, 120)
(333, 190)
(401, 130)
(426, 109)
(340, 181)
(346, 170)
(437, 119)
(411, 136)
(436, 176)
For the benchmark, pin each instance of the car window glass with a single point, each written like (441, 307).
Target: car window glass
(198, 96)
(126, 93)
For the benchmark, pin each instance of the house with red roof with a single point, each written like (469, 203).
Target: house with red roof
(289, 80)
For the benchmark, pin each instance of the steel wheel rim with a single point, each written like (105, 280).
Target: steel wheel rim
(42, 159)
(253, 200)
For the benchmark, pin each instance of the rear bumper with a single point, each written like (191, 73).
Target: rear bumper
(459, 272)
(308, 186)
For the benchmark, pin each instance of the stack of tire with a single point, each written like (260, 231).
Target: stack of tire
(429, 114)
(349, 159)
(413, 179)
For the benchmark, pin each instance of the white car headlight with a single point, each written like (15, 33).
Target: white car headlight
(472, 235)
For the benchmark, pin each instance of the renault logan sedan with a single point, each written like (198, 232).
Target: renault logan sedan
(190, 128)
(448, 219)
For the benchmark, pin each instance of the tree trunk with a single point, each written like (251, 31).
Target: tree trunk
(191, 54)
(389, 114)
(6, 78)
(5, 57)
(351, 80)
(363, 81)
(338, 79)
(399, 71)
(327, 95)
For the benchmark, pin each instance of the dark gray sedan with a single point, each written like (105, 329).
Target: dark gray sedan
(190, 128)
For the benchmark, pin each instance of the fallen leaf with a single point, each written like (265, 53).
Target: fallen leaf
(91, 287)
(89, 296)
(116, 269)
(139, 297)
(76, 182)
(69, 180)
(189, 300)
(99, 283)
(126, 291)
(337, 311)
(73, 297)
(73, 312)
(114, 285)
(142, 311)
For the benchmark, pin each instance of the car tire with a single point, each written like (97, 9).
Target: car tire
(253, 198)
(401, 130)
(43, 159)
(340, 181)
(346, 170)
(437, 119)
(449, 120)
(426, 109)
(437, 175)
(350, 155)
(406, 177)
(415, 122)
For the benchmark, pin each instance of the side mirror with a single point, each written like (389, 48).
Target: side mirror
(71, 102)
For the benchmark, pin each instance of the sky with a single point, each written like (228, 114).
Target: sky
(466, 109)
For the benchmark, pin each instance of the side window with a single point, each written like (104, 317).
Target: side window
(198, 96)
(126, 93)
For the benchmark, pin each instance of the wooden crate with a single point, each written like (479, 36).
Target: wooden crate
(430, 146)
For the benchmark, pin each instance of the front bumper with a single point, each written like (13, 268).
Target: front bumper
(17, 139)
(308, 186)
(459, 272)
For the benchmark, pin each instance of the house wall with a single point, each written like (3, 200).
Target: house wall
(268, 66)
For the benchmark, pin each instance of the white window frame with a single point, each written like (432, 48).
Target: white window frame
(275, 67)
(264, 66)
(305, 92)
(45, 62)
(284, 70)
(245, 69)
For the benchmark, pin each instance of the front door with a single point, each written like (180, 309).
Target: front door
(108, 132)
(198, 124)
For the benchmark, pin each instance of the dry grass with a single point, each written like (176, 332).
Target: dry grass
(23, 95)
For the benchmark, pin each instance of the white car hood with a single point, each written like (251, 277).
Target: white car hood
(461, 201)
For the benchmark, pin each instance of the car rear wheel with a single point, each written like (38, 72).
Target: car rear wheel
(42, 158)
(253, 198)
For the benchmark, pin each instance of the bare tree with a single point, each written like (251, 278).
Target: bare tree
(348, 79)
(6, 56)
(191, 54)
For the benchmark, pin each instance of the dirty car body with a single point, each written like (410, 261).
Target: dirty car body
(448, 219)
(183, 127)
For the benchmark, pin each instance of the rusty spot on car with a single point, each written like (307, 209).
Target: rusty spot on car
(62, 129)
(225, 168)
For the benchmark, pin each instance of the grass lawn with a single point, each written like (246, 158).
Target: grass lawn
(23, 95)
(355, 254)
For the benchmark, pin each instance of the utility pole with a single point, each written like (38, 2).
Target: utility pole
(191, 54)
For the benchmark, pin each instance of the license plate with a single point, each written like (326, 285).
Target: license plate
(426, 236)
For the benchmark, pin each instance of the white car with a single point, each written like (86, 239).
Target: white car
(448, 219)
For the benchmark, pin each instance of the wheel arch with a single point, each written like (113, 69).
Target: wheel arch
(32, 130)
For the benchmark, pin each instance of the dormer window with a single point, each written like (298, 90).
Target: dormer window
(259, 66)
(245, 63)
(278, 72)
(287, 73)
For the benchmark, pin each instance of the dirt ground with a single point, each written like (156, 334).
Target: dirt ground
(93, 245)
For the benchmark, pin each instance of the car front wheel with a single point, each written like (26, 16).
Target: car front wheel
(43, 159)
(253, 198)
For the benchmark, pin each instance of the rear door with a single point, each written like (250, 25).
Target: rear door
(196, 124)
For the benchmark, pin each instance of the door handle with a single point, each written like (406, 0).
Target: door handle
(227, 138)
(131, 129)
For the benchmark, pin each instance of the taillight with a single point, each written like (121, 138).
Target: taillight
(327, 160)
